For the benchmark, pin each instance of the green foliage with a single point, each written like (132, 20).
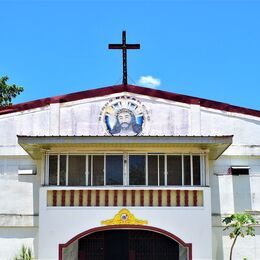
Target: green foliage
(25, 254)
(7, 92)
(241, 225)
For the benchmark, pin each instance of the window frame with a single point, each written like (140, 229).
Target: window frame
(237, 170)
(89, 172)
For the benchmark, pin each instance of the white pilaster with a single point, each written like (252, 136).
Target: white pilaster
(195, 120)
(54, 119)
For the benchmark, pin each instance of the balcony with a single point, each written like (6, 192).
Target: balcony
(125, 197)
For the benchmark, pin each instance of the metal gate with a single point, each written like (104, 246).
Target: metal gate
(127, 245)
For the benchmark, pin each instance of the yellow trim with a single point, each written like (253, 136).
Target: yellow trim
(124, 217)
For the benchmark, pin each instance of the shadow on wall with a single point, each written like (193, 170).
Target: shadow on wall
(71, 252)
(217, 241)
(242, 193)
(12, 240)
(217, 245)
(35, 181)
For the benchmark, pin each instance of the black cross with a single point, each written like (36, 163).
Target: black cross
(124, 46)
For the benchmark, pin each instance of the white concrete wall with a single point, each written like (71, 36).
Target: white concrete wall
(229, 194)
(21, 190)
(167, 118)
(232, 194)
(19, 206)
(79, 118)
(192, 225)
(235, 193)
(247, 247)
(13, 238)
(30, 122)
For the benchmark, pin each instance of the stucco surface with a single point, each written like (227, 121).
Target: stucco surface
(229, 193)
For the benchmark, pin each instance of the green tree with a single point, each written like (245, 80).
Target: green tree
(7, 92)
(241, 225)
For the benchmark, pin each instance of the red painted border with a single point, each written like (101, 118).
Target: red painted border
(115, 198)
(106, 198)
(159, 198)
(124, 198)
(151, 198)
(132, 89)
(178, 197)
(71, 197)
(186, 198)
(142, 198)
(133, 198)
(97, 198)
(137, 227)
(89, 198)
(94, 196)
(168, 198)
(63, 197)
(54, 198)
(81, 198)
(195, 198)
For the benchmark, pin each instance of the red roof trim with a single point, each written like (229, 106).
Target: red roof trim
(132, 89)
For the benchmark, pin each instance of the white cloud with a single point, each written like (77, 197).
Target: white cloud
(149, 82)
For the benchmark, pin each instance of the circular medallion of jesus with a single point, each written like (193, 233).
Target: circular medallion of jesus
(124, 116)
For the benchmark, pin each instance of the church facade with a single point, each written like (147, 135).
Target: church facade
(125, 172)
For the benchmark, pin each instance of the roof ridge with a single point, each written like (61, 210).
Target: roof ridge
(98, 92)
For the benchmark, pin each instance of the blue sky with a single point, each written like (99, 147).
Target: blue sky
(208, 49)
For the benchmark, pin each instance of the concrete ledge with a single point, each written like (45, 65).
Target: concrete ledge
(13, 220)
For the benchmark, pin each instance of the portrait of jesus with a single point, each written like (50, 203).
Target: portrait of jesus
(126, 123)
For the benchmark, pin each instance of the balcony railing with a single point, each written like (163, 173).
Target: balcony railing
(125, 197)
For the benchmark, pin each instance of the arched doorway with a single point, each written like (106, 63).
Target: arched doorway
(125, 242)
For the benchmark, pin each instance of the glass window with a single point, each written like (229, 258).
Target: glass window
(239, 170)
(187, 175)
(174, 168)
(178, 169)
(77, 169)
(161, 169)
(196, 169)
(114, 170)
(63, 159)
(137, 169)
(98, 170)
(53, 168)
(152, 169)
(89, 169)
